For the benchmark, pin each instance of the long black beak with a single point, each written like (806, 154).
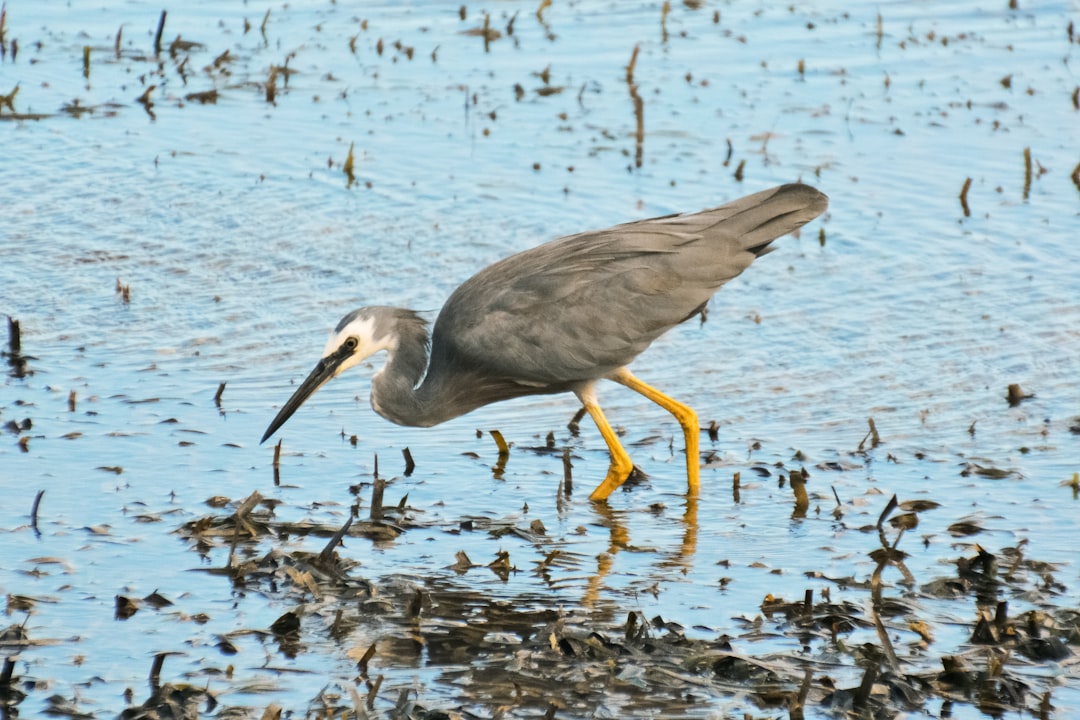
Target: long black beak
(318, 377)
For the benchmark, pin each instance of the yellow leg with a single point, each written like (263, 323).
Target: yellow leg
(686, 416)
(621, 465)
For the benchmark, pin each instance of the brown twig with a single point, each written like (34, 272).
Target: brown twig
(568, 481)
(160, 30)
(34, 511)
(377, 489)
(1027, 172)
(335, 540)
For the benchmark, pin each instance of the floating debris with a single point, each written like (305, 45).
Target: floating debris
(335, 540)
(1016, 395)
(271, 85)
(504, 453)
(1027, 173)
(964, 528)
(125, 607)
(15, 358)
(918, 506)
(1073, 483)
(148, 105)
(377, 489)
(8, 100)
(574, 426)
(488, 33)
(34, 511)
(207, 97)
(639, 109)
(544, 5)
(714, 431)
(871, 435)
(159, 32)
(180, 45)
(797, 479)
(566, 489)
(500, 442)
(277, 463)
(348, 167)
(963, 197)
(993, 473)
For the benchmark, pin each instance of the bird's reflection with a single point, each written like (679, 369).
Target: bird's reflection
(615, 521)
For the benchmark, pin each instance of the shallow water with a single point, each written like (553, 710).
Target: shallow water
(242, 243)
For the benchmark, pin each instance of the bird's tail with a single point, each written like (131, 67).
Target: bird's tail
(760, 218)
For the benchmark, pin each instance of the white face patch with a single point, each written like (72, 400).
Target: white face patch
(363, 329)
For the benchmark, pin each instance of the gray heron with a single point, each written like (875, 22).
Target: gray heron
(560, 316)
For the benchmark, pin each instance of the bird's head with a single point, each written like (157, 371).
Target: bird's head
(358, 336)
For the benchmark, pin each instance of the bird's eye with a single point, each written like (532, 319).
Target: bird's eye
(351, 343)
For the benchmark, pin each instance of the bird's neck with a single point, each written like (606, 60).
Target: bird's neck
(415, 390)
(403, 391)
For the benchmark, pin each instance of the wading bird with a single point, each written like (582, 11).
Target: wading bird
(559, 317)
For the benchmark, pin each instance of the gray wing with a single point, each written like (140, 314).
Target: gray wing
(582, 306)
